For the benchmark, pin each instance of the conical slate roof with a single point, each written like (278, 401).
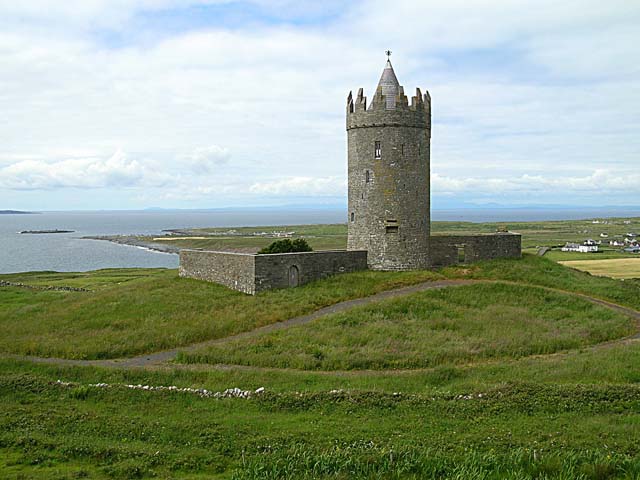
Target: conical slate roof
(390, 85)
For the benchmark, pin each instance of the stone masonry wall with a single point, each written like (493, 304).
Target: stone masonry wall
(233, 270)
(253, 273)
(274, 270)
(444, 249)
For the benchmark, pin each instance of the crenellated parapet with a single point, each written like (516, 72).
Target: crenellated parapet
(383, 113)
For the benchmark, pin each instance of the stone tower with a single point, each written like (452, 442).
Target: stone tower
(388, 168)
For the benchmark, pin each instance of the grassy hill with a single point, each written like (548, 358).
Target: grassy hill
(135, 311)
(433, 328)
(517, 376)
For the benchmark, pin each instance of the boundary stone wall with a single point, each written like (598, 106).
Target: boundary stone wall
(233, 270)
(445, 248)
(273, 270)
(250, 273)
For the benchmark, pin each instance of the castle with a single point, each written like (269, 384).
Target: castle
(389, 224)
(388, 155)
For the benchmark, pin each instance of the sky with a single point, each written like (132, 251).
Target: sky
(131, 104)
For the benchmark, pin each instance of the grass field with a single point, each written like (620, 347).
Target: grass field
(319, 237)
(511, 385)
(534, 234)
(432, 328)
(443, 429)
(615, 268)
(136, 311)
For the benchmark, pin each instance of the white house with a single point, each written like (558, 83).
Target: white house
(589, 246)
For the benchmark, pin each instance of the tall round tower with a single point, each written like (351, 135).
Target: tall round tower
(388, 158)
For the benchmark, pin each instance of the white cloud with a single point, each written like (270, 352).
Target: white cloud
(115, 171)
(561, 100)
(302, 186)
(90, 13)
(600, 181)
(205, 160)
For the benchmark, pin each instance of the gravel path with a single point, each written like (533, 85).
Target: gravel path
(165, 356)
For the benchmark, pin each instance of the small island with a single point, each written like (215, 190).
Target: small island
(15, 212)
(35, 232)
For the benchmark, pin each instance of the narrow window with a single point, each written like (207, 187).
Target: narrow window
(392, 229)
(353, 216)
(402, 149)
(378, 150)
(461, 254)
(367, 176)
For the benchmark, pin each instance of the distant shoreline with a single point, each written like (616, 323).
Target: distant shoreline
(132, 241)
(17, 212)
(39, 232)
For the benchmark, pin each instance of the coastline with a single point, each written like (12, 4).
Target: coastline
(43, 232)
(17, 212)
(133, 241)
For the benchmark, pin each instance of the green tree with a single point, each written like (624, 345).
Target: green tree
(287, 246)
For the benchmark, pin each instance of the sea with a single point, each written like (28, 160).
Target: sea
(69, 252)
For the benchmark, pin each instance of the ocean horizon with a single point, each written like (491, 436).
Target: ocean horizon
(69, 252)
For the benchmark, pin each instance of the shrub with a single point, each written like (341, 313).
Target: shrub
(287, 246)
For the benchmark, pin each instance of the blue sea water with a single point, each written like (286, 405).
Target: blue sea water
(68, 252)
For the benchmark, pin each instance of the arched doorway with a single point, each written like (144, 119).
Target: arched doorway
(294, 276)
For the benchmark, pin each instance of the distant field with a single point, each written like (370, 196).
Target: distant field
(334, 236)
(615, 268)
(604, 253)
(252, 239)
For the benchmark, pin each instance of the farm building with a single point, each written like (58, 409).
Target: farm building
(588, 246)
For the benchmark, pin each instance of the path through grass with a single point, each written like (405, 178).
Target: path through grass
(431, 328)
(135, 311)
(131, 312)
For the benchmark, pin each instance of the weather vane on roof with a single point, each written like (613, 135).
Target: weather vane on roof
(388, 53)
